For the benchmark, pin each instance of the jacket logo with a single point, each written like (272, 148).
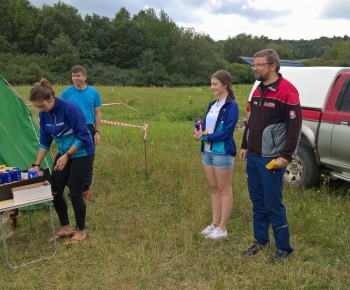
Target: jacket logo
(292, 114)
(268, 104)
(60, 124)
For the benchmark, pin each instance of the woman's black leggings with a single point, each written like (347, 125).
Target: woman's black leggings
(74, 175)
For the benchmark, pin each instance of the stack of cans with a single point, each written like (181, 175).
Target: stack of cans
(6, 176)
(16, 174)
(10, 175)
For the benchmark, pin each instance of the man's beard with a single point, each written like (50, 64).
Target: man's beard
(260, 77)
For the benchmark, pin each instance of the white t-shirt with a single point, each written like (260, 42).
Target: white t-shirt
(211, 118)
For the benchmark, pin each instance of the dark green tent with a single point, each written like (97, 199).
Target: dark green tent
(19, 131)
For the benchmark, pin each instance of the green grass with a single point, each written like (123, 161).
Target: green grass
(145, 234)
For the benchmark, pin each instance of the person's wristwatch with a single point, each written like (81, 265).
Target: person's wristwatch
(98, 131)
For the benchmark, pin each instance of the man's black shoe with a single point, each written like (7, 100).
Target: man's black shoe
(281, 257)
(254, 250)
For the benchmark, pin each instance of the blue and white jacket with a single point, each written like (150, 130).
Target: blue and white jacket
(65, 124)
(222, 138)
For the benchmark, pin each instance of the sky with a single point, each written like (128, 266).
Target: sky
(220, 19)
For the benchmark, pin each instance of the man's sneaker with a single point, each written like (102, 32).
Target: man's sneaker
(217, 233)
(88, 196)
(280, 257)
(254, 250)
(208, 230)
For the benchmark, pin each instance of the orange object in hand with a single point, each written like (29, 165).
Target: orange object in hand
(273, 164)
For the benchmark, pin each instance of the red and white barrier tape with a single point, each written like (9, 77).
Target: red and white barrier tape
(143, 127)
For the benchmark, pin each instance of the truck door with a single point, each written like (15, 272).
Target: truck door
(341, 131)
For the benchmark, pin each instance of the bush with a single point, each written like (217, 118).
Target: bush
(240, 73)
(23, 69)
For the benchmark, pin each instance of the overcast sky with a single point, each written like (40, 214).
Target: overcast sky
(286, 19)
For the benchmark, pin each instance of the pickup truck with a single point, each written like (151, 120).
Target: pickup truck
(324, 145)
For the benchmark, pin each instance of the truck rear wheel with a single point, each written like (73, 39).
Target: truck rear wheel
(304, 170)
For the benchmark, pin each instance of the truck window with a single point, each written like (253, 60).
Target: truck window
(343, 100)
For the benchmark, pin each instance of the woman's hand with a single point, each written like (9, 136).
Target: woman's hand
(61, 162)
(36, 168)
(197, 134)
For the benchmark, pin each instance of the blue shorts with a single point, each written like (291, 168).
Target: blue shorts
(217, 160)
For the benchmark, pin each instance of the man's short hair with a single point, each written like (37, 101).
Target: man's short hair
(78, 69)
(271, 57)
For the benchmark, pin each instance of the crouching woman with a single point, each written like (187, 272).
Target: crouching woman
(63, 122)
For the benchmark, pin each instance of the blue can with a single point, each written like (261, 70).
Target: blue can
(198, 125)
(7, 176)
(32, 173)
(16, 174)
(2, 181)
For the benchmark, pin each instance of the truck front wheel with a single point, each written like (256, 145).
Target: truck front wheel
(304, 170)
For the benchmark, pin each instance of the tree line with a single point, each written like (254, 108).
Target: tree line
(146, 49)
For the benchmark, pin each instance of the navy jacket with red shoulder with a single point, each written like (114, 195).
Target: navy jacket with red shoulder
(274, 125)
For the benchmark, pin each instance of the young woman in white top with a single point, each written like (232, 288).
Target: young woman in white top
(218, 151)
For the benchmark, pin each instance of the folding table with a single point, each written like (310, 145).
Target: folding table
(9, 204)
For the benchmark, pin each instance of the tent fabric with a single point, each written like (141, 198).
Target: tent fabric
(19, 132)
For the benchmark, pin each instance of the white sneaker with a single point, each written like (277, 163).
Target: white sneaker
(217, 233)
(208, 230)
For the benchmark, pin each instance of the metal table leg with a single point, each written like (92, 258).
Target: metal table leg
(30, 221)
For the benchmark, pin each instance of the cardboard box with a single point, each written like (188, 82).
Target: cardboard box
(6, 189)
(31, 191)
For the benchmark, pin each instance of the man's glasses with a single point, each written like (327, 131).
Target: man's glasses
(258, 65)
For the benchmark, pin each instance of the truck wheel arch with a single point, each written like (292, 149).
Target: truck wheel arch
(307, 136)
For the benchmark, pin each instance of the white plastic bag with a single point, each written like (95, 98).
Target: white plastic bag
(6, 221)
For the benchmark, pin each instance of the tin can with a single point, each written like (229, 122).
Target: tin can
(7, 176)
(16, 174)
(32, 173)
(198, 125)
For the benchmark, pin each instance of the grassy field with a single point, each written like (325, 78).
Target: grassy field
(145, 234)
